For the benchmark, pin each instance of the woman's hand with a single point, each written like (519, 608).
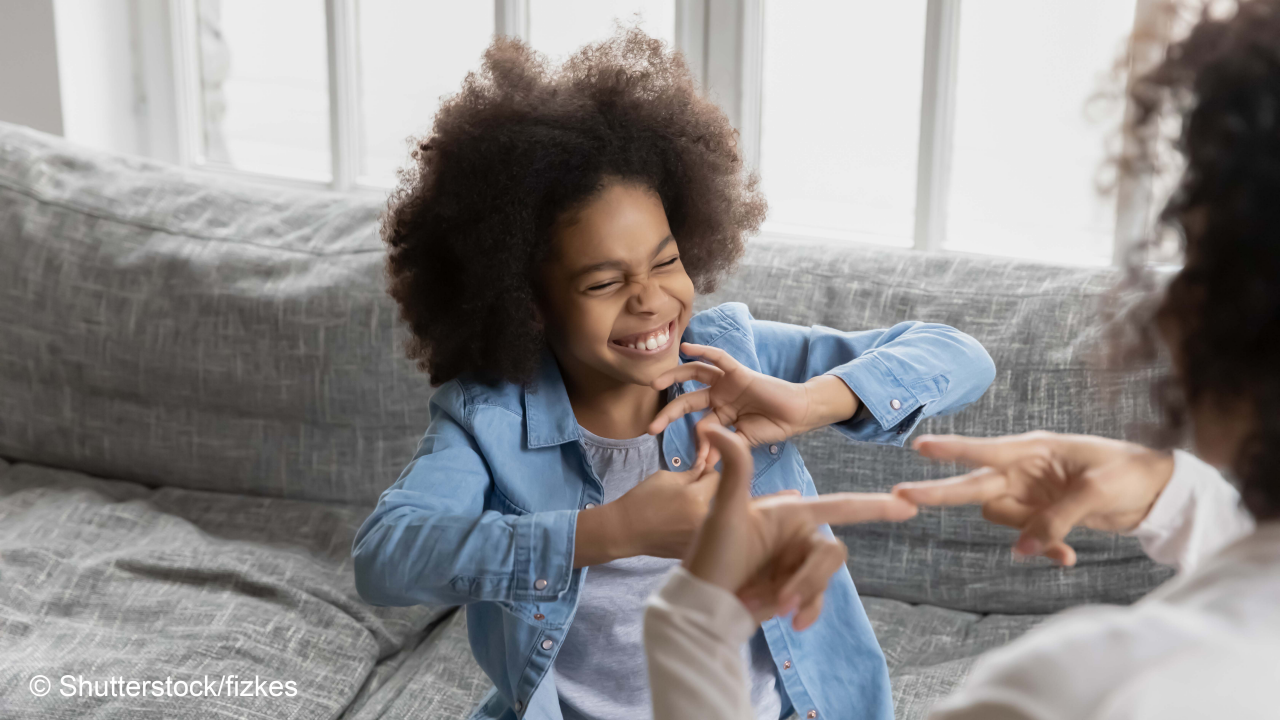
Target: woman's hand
(769, 551)
(1044, 484)
(762, 408)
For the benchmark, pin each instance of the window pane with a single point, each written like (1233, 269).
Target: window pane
(840, 118)
(265, 86)
(1027, 151)
(559, 27)
(412, 52)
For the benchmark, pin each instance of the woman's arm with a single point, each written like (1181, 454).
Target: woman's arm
(430, 539)
(693, 637)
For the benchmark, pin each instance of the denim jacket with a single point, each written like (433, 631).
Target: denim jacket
(484, 515)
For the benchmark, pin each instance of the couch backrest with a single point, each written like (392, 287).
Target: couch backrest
(167, 327)
(1039, 323)
(174, 329)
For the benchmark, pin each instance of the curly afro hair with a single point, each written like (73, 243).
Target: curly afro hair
(1223, 81)
(521, 145)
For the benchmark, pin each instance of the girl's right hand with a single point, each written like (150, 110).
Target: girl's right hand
(660, 516)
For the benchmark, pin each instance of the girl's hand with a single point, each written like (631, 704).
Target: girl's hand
(1044, 484)
(660, 516)
(762, 408)
(769, 551)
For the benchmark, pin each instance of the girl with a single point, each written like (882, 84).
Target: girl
(545, 253)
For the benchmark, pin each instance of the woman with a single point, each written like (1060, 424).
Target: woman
(1207, 644)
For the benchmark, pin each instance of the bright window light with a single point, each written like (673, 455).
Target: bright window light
(840, 118)
(1028, 143)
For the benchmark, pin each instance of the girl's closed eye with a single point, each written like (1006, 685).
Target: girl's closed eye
(614, 282)
(603, 285)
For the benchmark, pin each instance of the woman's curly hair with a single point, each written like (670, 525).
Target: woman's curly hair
(1223, 82)
(521, 145)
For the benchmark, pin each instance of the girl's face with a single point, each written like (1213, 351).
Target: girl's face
(615, 297)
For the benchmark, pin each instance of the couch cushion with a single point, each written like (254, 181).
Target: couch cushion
(439, 681)
(170, 328)
(1038, 322)
(930, 650)
(106, 579)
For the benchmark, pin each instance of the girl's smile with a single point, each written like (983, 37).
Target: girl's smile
(648, 343)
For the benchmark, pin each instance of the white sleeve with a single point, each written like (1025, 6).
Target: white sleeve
(1198, 514)
(693, 637)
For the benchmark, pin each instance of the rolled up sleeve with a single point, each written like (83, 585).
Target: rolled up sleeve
(430, 539)
(901, 374)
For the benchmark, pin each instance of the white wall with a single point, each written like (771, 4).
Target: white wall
(29, 93)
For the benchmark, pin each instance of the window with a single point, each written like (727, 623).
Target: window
(913, 123)
(839, 124)
(942, 125)
(328, 93)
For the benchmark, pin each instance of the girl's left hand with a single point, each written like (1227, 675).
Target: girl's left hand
(762, 408)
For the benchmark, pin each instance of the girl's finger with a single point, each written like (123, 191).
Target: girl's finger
(720, 358)
(706, 450)
(678, 408)
(733, 490)
(700, 371)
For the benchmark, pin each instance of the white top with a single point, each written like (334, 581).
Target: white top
(1204, 645)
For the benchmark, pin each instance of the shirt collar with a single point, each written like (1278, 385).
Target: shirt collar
(549, 418)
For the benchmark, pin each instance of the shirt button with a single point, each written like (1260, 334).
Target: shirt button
(519, 706)
(895, 404)
(547, 644)
(539, 616)
(539, 584)
(773, 449)
(812, 714)
(786, 665)
(675, 461)
(588, 506)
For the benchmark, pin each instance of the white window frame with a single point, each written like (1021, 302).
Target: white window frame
(722, 40)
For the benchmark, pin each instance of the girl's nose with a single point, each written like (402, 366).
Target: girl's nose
(648, 297)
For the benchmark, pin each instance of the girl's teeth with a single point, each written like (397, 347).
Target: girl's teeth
(650, 344)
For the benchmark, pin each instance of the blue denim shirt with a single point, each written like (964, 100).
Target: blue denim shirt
(484, 515)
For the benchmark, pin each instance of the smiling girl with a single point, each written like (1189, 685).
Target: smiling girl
(545, 253)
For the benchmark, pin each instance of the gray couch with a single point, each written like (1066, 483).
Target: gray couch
(202, 393)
